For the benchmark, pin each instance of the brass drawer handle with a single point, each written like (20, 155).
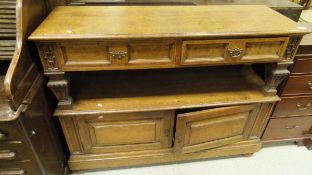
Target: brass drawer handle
(7, 155)
(301, 107)
(118, 54)
(235, 52)
(291, 127)
(2, 136)
(309, 84)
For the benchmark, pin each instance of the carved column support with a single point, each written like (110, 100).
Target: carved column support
(292, 48)
(59, 84)
(274, 75)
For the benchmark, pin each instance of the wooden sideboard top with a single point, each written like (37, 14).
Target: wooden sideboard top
(276, 4)
(119, 22)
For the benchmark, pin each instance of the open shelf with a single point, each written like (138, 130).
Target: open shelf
(165, 89)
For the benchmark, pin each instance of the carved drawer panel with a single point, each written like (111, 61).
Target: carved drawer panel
(95, 55)
(126, 132)
(84, 53)
(297, 85)
(293, 106)
(200, 130)
(281, 128)
(233, 50)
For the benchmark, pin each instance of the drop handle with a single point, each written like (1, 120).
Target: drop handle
(118, 54)
(291, 127)
(7, 155)
(301, 107)
(309, 83)
(235, 52)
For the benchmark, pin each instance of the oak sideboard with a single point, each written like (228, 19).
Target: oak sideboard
(153, 84)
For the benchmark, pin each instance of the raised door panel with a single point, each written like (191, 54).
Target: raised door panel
(196, 131)
(126, 132)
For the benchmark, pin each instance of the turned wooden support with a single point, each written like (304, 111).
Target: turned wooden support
(274, 75)
(59, 84)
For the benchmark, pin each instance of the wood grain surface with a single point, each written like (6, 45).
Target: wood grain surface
(113, 22)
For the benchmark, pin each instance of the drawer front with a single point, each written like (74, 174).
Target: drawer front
(10, 131)
(116, 54)
(233, 50)
(298, 85)
(20, 168)
(293, 106)
(302, 66)
(281, 128)
(200, 130)
(15, 151)
(126, 132)
(12, 171)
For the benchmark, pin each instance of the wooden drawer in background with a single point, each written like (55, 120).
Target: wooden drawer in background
(293, 127)
(293, 106)
(297, 85)
(9, 131)
(20, 150)
(126, 132)
(302, 66)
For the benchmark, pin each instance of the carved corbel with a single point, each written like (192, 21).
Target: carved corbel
(59, 85)
(274, 75)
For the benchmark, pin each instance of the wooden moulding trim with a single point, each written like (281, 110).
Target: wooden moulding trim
(61, 113)
(82, 162)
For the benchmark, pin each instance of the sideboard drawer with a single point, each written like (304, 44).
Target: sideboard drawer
(293, 106)
(116, 53)
(233, 50)
(126, 132)
(298, 85)
(293, 127)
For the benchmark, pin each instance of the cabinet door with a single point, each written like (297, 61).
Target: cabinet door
(196, 131)
(126, 132)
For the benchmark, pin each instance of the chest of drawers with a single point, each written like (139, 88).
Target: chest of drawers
(161, 84)
(291, 119)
